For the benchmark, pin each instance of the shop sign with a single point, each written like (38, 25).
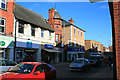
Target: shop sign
(3, 43)
(75, 49)
(49, 46)
(29, 44)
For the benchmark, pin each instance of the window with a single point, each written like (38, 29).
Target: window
(78, 42)
(81, 34)
(42, 33)
(75, 42)
(32, 31)
(21, 28)
(48, 67)
(81, 42)
(2, 25)
(74, 31)
(57, 37)
(3, 4)
(57, 27)
(40, 68)
(49, 33)
(78, 33)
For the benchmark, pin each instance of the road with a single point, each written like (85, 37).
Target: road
(94, 73)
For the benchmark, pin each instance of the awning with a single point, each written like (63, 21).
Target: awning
(52, 50)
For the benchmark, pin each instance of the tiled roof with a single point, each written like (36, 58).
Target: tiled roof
(31, 17)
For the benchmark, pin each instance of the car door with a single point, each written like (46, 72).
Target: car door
(48, 72)
(41, 75)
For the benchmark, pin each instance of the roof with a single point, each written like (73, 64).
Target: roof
(31, 17)
(56, 15)
(68, 24)
(31, 63)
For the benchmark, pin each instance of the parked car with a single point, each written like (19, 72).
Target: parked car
(95, 61)
(30, 70)
(5, 64)
(80, 64)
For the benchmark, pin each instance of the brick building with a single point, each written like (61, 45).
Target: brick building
(6, 28)
(90, 44)
(115, 14)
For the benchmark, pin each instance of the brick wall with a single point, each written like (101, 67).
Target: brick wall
(116, 8)
(8, 15)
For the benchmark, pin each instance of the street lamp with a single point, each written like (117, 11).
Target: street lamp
(110, 2)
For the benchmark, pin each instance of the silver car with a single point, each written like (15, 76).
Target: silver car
(79, 64)
(6, 64)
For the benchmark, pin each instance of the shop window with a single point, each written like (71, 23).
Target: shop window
(33, 31)
(21, 28)
(42, 33)
(19, 55)
(2, 25)
(3, 4)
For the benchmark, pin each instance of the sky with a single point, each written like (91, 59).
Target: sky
(94, 18)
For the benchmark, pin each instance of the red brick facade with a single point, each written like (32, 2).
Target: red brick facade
(116, 8)
(9, 17)
(56, 23)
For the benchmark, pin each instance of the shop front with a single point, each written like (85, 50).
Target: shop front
(74, 53)
(6, 47)
(28, 51)
(51, 54)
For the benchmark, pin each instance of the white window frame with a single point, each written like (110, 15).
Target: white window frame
(78, 33)
(3, 3)
(42, 31)
(81, 34)
(32, 29)
(74, 42)
(74, 31)
(78, 42)
(3, 25)
(81, 42)
(57, 37)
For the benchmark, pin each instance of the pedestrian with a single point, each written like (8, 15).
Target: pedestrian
(109, 62)
(48, 59)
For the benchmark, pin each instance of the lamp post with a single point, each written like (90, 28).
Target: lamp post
(15, 40)
(110, 2)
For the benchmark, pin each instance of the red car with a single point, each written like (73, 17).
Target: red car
(30, 71)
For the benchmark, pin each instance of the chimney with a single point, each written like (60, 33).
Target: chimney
(71, 21)
(51, 15)
(46, 20)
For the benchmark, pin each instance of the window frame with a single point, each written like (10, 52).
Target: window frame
(3, 25)
(32, 31)
(57, 37)
(3, 3)
(74, 31)
(42, 33)
(81, 34)
(22, 27)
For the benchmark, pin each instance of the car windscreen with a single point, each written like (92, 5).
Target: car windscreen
(79, 61)
(22, 68)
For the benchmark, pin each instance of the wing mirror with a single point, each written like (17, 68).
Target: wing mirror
(8, 68)
(37, 72)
